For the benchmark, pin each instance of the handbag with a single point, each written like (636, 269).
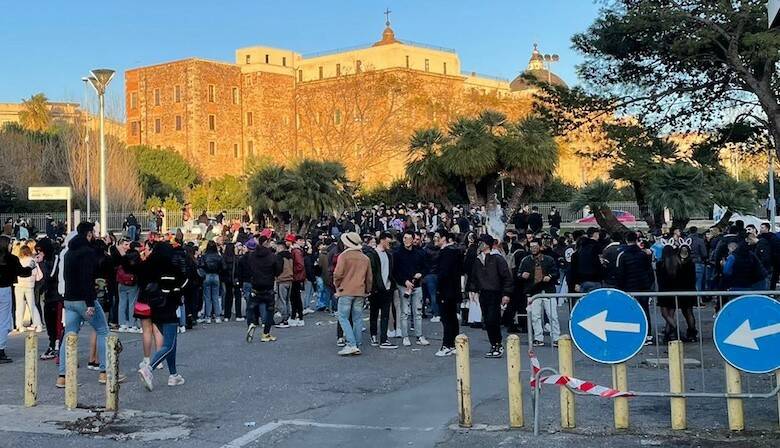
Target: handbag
(142, 310)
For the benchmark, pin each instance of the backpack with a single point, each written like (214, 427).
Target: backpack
(124, 278)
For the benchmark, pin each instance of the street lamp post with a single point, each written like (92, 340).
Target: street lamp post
(549, 60)
(87, 149)
(99, 80)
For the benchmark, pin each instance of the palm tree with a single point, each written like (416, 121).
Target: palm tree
(35, 115)
(266, 187)
(471, 155)
(680, 188)
(424, 168)
(734, 195)
(528, 155)
(596, 195)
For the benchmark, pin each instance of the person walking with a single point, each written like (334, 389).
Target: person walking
(450, 268)
(353, 281)
(494, 283)
(259, 269)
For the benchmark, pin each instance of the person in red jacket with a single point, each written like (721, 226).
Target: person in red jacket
(296, 243)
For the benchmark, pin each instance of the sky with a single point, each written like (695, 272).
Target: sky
(48, 46)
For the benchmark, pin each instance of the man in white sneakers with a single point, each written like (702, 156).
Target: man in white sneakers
(353, 281)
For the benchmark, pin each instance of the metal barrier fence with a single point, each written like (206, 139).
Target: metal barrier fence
(677, 386)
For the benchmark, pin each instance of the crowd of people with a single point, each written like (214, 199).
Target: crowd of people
(399, 265)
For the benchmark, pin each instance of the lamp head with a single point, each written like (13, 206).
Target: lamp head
(100, 79)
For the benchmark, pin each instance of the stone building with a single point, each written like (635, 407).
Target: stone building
(357, 105)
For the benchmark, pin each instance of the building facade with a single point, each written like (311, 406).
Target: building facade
(359, 105)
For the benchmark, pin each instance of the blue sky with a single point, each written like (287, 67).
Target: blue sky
(48, 46)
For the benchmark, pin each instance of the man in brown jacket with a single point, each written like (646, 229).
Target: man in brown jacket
(352, 278)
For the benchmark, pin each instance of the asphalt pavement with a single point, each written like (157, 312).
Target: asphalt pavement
(297, 392)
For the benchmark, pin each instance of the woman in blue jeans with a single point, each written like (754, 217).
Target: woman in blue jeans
(163, 285)
(210, 266)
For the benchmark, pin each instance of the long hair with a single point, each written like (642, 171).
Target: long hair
(670, 260)
(211, 246)
(4, 242)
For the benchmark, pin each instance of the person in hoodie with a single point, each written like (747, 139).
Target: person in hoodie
(80, 271)
(261, 267)
(10, 271)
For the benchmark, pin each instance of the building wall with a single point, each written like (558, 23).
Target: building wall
(269, 98)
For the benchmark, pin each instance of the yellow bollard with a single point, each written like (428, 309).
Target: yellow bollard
(112, 373)
(677, 384)
(513, 381)
(31, 369)
(734, 386)
(464, 380)
(71, 371)
(566, 367)
(620, 382)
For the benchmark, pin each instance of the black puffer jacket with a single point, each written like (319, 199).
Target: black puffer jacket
(586, 264)
(634, 270)
(264, 266)
(80, 271)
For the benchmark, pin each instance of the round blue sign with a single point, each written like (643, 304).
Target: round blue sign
(747, 333)
(608, 326)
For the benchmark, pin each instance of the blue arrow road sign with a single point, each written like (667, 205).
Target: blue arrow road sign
(608, 326)
(747, 333)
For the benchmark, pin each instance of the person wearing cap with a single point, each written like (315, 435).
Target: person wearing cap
(494, 283)
(352, 278)
(260, 267)
(409, 267)
(284, 285)
(295, 242)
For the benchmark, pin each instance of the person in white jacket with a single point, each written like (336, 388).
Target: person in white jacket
(25, 292)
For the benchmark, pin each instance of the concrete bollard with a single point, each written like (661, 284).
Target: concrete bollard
(112, 373)
(566, 367)
(677, 384)
(513, 381)
(31, 369)
(734, 405)
(464, 380)
(71, 371)
(620, 405)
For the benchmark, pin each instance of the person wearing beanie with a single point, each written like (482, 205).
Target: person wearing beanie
(353, 281)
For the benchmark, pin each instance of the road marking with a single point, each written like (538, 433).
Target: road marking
(598, 325)
(255, 434)
(745, 337)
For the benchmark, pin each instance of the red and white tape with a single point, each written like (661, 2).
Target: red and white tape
(573, 383)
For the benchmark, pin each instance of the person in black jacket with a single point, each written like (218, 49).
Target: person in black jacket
(635, 274)
(774, 245)
(10, 269)
(540, 273)
(586, 272)
(81, 269)
(450, 268)
(535, 220)
(263, 267)
(554, 218)
(382, 287)
(52, 308)
(230, 278)
(409, 267)
(163, 281)
(494, 283)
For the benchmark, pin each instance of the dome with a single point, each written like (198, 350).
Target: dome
(388, 37)
(537, 69)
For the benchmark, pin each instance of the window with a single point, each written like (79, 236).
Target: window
(249, 119)
(235, 150)
(177, 94)
(407, 61)
(267, 59)
(286, 120)
(133, 100)
(338, 69)
(358, 65)
(235, 95)
(300, 75)
(178, 122)
(337, 117)
(212, 148)
(156, 97)
(250, 148)
(321, 73)
(157, 126)
(248, 59)
(212, 123)
(427, 65)
(284, 62)
(297, 121)
(445, 68)
(134, 128)
(317, 118)
(211, 93)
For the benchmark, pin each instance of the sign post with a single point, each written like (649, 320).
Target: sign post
(53, 194)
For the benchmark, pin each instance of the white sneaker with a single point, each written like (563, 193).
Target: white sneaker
(145, 374)
(208, 321)
(435, 319)
(348, 350)
(122, 329)
(240, 319)
(142, 364)
(307, 311)
(217, 320)
(175, 380)
(390, 333)
(422, 341)
(407, 342)
(201, 321)
(445, 351)
(182, 329)
(301, 323)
